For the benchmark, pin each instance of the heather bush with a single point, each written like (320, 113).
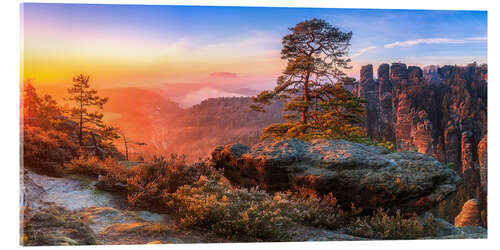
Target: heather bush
(45, 151)
(148, 182)
(382, 225)
(241, 214)
(319, 211)
(253, 214)
(92, 166)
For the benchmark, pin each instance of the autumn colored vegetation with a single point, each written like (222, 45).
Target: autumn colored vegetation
(53, 135)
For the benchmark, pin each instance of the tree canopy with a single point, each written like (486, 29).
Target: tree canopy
(312, 85)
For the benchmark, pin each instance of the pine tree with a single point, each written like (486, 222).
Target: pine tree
(339, 113)
(317, 104)
(85, 111)
(41, 111)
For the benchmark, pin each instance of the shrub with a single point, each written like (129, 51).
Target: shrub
(382, 225)
(144, 184)
(148, 182)
(45, 151)
(92, 166)
(319, 211)
(246, 215)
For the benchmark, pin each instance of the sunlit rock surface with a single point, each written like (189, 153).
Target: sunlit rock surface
(370, 177)
(470, 214)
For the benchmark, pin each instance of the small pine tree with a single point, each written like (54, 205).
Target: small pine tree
(85, 112)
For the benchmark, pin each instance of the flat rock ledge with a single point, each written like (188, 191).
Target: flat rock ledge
(368, 176)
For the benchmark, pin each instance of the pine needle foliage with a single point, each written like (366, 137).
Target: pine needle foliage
(313, 86)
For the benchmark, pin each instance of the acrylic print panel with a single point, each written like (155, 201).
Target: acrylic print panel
(185, 124)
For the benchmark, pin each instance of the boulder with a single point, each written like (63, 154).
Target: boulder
(368, 176)
(56, 226)
(443, 228)
(470, 214)
(107, 184)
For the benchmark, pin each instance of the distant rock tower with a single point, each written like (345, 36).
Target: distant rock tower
(368, 90)
(399, 72)
(385, 103)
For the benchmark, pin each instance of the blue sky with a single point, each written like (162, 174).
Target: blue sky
(140, 44)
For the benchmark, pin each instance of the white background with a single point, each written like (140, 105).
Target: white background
(9, 117)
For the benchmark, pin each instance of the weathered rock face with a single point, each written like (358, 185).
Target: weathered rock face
(370, 177)
(451, 141)
(368, 90)
(399, 72)
(415, 74)
(438, 111)
(467, 154)
(385, 103)
(470, 214)
(431, 75)
(482, 152)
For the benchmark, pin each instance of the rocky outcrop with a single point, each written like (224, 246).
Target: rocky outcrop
(385, 103)
(452, 148)
(445, 120)
(431, 75)
(399, 72)
(482, 152)
(415, 74)
(438, 111)
(56, 226)
(467, 151)
(470, 214)
(446, 230)
(369, 177)
(368, 90)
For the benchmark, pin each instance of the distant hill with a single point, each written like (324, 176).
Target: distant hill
(137, 111)
(146, 116)
(216, 121)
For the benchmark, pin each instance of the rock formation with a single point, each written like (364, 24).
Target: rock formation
(370, 177)
(438, 111)
(470, 215)
(482, 155)
(385, 103)
(368, 89)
